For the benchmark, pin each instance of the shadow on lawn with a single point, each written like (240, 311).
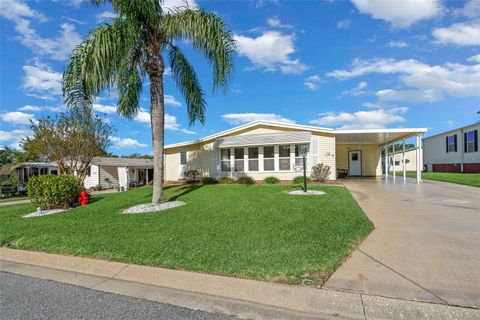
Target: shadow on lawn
(183, 190)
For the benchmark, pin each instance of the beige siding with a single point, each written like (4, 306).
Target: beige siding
(411, 160)
(371, 158)
(326, 151)
(435, 148)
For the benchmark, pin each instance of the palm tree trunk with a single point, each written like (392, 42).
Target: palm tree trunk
(155, 71)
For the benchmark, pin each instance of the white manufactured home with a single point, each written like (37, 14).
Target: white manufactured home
(453, 151)
(262, 148)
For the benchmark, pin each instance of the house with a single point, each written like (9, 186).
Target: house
(453, 151)
(107, 172)
(119, 173)
(410, 160)
(263, 148)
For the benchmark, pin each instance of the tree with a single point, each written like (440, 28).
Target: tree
(122, 54)
(71, 140)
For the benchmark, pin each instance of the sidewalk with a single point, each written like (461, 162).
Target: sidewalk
(247, 299)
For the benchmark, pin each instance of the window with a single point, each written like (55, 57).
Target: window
(300, 150)
(268, 158)
(225, 160)
(397, 163)
(54, 172)
(253, 159)
(239, 160)
(183, 157)
(452, 143)
(43, 171)
(89, 171)
(471, 141)
(354, 156)
(284, 157)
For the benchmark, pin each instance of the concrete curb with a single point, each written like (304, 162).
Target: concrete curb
(247, 299)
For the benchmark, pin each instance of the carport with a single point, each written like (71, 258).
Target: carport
(351, 143)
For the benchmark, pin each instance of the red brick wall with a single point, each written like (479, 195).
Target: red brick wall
(471, 167)
(447, 167)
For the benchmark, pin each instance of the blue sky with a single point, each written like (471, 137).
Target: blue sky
(338, 64)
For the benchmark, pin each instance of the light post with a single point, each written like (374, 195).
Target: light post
(304, 158)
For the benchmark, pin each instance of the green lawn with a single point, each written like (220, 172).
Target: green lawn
(470, 179)
(246, 231)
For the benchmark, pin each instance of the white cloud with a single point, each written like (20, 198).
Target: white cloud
(312, 82)
(169, 5)
(370, 119)
(104, 108)
(276, 23)
(240, 118)
(125, 143)
(400, 14)
(470, 10)
(428, 82)
(17, 117)
(358, 90)
(271, 51)
(460, 34)
(41, 81)
(171, 123)
(13, 138)
(31, 108)
(344, 24)
(21, 14)
(105, 15)
(475, 58)
(171, 101)
(397, 44)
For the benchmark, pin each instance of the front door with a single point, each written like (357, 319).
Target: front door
(182, 165)
(355, 163)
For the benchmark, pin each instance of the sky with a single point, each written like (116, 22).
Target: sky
(336, 64)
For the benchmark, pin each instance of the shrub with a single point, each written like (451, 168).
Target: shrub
(321, 172)
(191, 175)
(245, 180)
(53, 191)
(226, 180)
(98, 187)
(271, 180)
(208, 180)
(299, 180)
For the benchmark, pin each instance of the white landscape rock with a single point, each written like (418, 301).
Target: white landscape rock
(308, 193)
(42, 213)
(149, 207)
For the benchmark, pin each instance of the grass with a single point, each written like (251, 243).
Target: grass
(469, 179)
(255, 232)
(13, 198)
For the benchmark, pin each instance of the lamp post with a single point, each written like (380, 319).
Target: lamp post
(304, 173)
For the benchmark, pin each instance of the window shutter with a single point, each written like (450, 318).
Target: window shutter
(446, 140)
(455, 141)
(465, 142)
(475, 139)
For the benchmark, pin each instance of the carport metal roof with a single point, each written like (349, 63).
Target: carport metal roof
(376, 136)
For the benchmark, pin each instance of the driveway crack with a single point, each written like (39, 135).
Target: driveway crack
(112, 277)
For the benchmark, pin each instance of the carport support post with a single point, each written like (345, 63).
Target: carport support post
(419, 173)
(386, 161)
(393, 156)
(403, 160)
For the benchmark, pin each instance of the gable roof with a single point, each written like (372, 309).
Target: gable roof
(251, 125)
(122, 162)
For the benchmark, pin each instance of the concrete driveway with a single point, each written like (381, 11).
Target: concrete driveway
(425, 246)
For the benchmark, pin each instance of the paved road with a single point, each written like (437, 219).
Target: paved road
(31, 298)
(425, 244)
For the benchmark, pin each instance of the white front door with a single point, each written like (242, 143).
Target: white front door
(355, 163)
(182, 167)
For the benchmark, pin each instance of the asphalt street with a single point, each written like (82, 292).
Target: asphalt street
(31, 298)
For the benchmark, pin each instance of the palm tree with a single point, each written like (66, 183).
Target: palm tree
(125, 52)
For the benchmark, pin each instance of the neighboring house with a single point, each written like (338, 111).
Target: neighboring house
(410, 160)
(453, 151)
(119, 173)
(108, 172)
(262, 148)
(26, 170)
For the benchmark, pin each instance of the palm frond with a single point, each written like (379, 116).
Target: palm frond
(209, 36)
(187, 82)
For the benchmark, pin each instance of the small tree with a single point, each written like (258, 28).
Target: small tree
(321, 172)
(71, 140)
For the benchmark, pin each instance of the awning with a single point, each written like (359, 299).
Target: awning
(287, 137)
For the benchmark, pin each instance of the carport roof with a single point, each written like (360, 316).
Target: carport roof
(376, 136)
